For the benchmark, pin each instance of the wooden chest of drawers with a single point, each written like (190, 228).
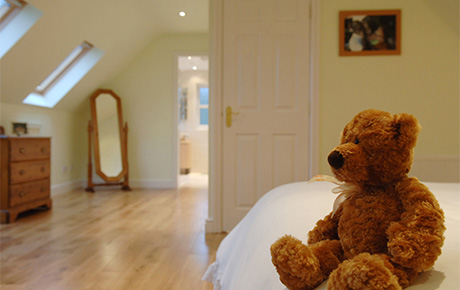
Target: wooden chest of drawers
(24, 175)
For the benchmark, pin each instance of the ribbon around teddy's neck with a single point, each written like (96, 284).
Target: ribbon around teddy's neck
(344, 190)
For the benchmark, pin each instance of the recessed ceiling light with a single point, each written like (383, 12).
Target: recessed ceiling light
(189, 57)
(194, 67)
(182, 14)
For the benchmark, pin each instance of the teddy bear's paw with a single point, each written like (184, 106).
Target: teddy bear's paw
(406, 250)
(298, 268)
(364, 271)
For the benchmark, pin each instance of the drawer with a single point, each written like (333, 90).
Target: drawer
(29, 170)
(30, 191)
(29, 149)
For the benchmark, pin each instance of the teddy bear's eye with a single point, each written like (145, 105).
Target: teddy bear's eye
(356, 141)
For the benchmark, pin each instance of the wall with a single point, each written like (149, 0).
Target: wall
(68, 140)
(197, 135)
(148, 95)
(423, 80)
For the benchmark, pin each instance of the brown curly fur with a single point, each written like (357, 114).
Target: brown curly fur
(386, 232)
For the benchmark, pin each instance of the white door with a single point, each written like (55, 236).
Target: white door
(266, 82)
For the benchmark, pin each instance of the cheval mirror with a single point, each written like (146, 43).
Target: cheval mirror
(109, 139)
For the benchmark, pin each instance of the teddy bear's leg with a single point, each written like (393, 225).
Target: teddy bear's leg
(329, 253)
(366, 271)
(405, 275)
(304, 267)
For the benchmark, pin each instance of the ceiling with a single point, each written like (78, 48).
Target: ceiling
(120, 28)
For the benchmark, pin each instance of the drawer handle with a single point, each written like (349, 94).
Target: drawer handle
(42, 169)
(22, 172)
(43, 150)
(42, 189)
(21, 194)
(22, 150)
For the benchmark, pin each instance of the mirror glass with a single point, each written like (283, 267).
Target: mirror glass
(108, 130)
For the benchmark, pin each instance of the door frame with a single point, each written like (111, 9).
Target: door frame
(214, 222)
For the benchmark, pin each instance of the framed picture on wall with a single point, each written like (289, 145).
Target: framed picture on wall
(370, 32)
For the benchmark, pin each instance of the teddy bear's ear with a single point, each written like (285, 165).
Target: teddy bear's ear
(406, 128)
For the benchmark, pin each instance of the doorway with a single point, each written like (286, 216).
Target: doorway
(193, 119)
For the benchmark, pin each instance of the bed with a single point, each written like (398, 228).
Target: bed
(243, 260)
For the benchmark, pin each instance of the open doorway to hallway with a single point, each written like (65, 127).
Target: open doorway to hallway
(193, 119)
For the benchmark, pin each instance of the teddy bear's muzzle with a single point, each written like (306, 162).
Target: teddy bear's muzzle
(335, 159)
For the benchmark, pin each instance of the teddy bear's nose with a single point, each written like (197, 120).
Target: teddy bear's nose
(335, 159)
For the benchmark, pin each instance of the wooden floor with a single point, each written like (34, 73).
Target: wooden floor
(143, 239)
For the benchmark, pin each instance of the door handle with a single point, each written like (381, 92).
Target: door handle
(228, 115)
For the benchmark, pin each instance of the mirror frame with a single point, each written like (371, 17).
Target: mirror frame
(122, 132)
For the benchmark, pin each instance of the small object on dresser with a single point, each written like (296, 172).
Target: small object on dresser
(20, 129)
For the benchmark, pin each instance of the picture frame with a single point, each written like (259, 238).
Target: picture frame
(369, 32)
(20, 129)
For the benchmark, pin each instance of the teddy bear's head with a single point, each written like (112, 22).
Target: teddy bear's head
(376, 148)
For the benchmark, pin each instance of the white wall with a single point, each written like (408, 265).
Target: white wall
(423, 80)
(198, 135)
(148, 94)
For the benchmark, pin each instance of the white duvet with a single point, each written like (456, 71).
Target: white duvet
(243, 260)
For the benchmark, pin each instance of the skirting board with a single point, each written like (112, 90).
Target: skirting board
(436, 168)
(152, 184)
(66, 187)
(211, 226)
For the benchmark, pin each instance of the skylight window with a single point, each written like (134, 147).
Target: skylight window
(16, 18)
(4, 8)
(65, 76)
(74, 56)
(8, 9)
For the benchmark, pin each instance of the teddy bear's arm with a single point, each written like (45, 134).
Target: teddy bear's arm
(415, 241)
(325, 229)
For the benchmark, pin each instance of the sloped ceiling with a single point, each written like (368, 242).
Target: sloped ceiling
(120, 28)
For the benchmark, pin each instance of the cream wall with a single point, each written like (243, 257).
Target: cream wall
(68, 140)
(147, 89)
(148, 94)
(423, 80)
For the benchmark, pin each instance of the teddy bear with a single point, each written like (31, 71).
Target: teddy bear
(387, 228)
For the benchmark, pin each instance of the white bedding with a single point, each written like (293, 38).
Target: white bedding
(243, 260)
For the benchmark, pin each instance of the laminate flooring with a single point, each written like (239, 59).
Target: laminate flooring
(111, 239)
